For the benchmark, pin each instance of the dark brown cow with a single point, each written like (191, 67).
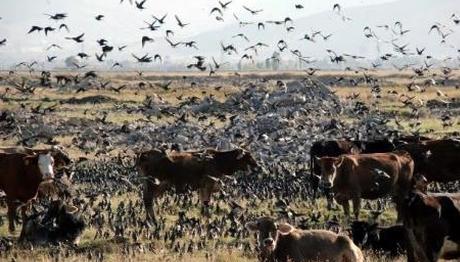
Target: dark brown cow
(198, 169)
(433, 221)
(282, 242)
(436, 160)
(20, 177)
(368, 176)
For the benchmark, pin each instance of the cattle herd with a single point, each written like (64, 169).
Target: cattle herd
(344, 170)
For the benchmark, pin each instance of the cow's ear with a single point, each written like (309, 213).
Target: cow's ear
(285, 228)
(252, 226)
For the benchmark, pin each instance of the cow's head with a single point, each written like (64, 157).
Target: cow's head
(364, 233)
(420, 209)
(329, 167)
(44, 162)
(244, 161)
(268, 232)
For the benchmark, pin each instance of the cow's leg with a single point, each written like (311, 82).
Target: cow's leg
(205, 197)
(356, 206)
(147, 196)
(11, 213)
(346, 207)
(415, 250)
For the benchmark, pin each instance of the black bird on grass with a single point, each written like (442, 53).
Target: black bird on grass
(164, 86)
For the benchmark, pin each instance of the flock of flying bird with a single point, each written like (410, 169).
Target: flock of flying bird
(219, 12)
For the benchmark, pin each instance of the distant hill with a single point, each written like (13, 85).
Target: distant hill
(348, 37)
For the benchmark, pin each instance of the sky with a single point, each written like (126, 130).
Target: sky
(122, 22)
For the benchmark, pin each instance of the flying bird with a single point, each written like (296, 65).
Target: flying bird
(224, 5)
(35, 29)
(146, 39)
(253, 12)
(78, 39)
(160, 20)
(58, 16)
(179, 22)
(140, 5)
(49, 29)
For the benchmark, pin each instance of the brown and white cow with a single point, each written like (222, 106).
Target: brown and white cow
(282, 242)
(61, 158)
(20, 177)
(433, 223)
(368, 176)
(200, 170)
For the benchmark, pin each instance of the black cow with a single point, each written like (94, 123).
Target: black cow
(59, 224)
(392, 240)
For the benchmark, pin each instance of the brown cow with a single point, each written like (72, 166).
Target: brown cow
(368, 176)
(282, 242)
(437, 160)
(197, 169)
(432, 222)
(20, 177)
